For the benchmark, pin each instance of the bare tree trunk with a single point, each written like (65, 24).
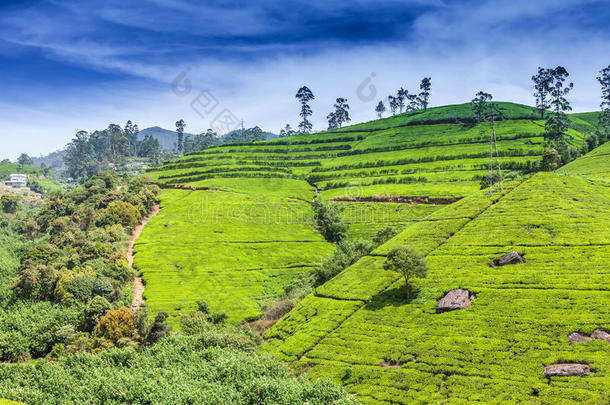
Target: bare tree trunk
(407, 288)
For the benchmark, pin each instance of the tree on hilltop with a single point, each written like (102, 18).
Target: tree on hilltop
(401, 96)
(24, 160)
(380, 109)
(424, 95)
(340, 115)
(180, 125)
(604, 118)
(479, 105)
(557, 125)
(542, 87)
(286, 131)
(131, 132)
(305, 95)
(393, 103)
(408, 263)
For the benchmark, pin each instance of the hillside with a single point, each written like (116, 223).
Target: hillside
(411, 155)
(365, 335)
(594, 165)
(167, 139)
(419, 173)
(440, 153)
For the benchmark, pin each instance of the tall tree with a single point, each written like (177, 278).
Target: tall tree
(286, 131)
(424, 95)
(119, 145)
(542, 87)
(80, 157)
(341, 111)
(24, 159)
(332, 120)
(305, 95)
(557, 125)
(380, 109)
(479, 105)
(131, 132)
(393, 103)
(180, 125)
(401, 96)
(604, 118)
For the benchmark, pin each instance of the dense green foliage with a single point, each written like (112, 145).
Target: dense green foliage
(328, 217)
(72, 271)
(202, 364)
(88, 154)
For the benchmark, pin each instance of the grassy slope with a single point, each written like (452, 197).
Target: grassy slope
(6, 169)
(381, 157)
(233, 249)
(365, 219)
(594, 165)
(359, 330)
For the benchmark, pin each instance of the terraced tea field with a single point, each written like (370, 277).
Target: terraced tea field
(233, 249)
(359, 330)
(236, 227)
(594, 165)
(440, 153)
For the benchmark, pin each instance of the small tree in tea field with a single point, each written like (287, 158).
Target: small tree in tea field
(408, 263)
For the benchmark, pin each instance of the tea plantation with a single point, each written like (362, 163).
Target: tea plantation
(594, 165)
(236, 227)
(439, 153)
(233, 249)
(359, 330)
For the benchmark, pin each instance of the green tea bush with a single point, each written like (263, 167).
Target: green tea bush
(327, 215)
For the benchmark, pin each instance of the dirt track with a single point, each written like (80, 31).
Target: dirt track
(138, 290)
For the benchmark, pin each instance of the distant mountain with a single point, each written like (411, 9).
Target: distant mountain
(53, 160)
(167, 139)
(229, 136)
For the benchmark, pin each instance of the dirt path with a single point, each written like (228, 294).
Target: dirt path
(138, 290)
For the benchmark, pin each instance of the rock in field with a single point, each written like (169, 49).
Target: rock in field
(601, 334)
(578, 338)
(566, 370)
(454, 299)
(510, 258)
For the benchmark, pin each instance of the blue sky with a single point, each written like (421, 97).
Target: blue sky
(68, 65)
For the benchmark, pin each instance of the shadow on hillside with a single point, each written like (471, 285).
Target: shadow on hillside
(393, 296)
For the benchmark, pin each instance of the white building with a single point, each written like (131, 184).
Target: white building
(17, 181)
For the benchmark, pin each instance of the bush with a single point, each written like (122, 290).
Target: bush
(494, 178)
(103, 287)
(95, 309)
(123, 213)
(328, 217)
(550, 160)
(384, 235)
(347, 253)
(9, 203)
(116, 324)
(159, 328)
(589, 143)
(81, 287)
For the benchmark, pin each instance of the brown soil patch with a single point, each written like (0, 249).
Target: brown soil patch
(400, 199)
